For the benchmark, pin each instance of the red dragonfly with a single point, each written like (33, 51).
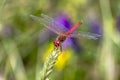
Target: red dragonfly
(61, 30)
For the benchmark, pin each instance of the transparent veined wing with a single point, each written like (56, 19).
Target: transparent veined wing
(59, 27)
(87, 35)
(50, 23)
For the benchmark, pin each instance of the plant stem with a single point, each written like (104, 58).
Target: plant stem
(49, 64)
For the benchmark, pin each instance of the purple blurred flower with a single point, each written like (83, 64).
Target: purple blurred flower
(95, 26)
(64, 19)
(118, 23)
(7, 31)
(93, 22)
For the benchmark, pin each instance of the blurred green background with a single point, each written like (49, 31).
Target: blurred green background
(23, 50)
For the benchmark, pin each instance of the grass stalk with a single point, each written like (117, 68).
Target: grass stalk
(49, 64)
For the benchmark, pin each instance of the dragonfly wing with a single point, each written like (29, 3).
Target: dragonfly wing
(56, 24)
(85, 35)
(45, 23)
(50, 23)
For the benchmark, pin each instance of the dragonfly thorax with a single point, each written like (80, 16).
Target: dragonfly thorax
(60, 39)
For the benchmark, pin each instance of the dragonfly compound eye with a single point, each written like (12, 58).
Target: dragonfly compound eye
(56, 43)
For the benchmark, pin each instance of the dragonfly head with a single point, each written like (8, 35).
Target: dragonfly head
(56, 43)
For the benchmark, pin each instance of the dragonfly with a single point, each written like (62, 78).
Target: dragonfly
(62, 31)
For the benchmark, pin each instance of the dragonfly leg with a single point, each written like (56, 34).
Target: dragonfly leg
(61, 48)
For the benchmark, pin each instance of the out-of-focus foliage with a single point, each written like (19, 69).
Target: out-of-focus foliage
(23, 46)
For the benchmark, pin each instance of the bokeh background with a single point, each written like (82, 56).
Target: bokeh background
(24, 43)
